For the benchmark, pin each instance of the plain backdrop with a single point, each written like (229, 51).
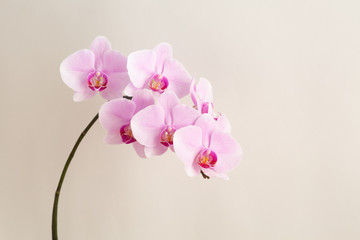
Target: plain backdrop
(286, 73)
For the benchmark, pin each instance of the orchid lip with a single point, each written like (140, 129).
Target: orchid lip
(126, 134)
(167, 135)
(206, 158)
(158, 83)
(97, 81)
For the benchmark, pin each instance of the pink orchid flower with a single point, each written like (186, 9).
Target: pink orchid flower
(115, 117)
(157, 70)
(154, 126)
(202, 97)
(98, 69)
(207, 146)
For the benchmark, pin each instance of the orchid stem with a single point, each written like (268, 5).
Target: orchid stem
(204, 175)
(57, 193)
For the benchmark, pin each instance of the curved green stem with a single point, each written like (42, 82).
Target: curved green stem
(57, 193)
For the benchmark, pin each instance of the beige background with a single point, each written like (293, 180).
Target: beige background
(286, 73)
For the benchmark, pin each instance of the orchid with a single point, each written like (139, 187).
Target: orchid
(98, 69)
(155, 125)
(202, 97)
(207, 147)
(157, 70)
(115, 117)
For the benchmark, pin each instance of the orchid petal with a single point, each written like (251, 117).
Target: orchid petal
(115, 114)
(223, 124)
(193, 92)
(116, 84)
(139, 149)
(155, 151)
(163, 52)
(147, 125)
(227, 149)
(141, 67)
(84, 95)
(75, 69)
(130, 89)
(113, 138)
(207, 124)
(114, 61)
(187, 144)
(99, 46)
(142, 99)
(183, 115)
(168, 100)
(179, 79)
(204, 90)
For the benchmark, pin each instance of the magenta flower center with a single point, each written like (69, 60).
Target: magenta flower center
(97, 81)
(158, 83)
(206, 158)
(167, 135)
(126, 134)
(205, 107)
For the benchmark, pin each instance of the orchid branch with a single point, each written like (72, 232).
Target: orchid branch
(57, 193)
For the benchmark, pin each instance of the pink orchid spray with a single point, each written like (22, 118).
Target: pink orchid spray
(150, 115)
